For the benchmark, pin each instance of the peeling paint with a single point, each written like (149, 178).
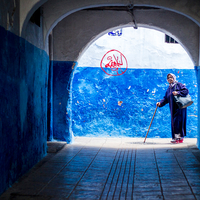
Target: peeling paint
(120, 103)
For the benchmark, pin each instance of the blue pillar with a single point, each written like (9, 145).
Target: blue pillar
(50, 103)
(197, 69)
(62, 74)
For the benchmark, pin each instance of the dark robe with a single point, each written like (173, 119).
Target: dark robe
(178, 116)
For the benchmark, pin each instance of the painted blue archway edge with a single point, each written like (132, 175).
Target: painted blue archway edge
(63, 75)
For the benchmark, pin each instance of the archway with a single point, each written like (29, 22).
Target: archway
(83, 33)
(107, 103)
(170, 18)
(25, 60)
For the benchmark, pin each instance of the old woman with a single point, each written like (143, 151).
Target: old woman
(178, 116)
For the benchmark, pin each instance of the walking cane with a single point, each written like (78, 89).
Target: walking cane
(150, 123)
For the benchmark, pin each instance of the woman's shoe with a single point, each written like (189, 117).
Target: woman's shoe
(180, 140)
(174, 141)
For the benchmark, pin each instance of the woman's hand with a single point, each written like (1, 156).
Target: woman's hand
(158, 104)
(175, 93)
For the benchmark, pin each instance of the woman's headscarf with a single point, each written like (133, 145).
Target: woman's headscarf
(174, 82)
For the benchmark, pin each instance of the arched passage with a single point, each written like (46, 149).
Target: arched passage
(122, 104)
(78, 30)
(24, 63)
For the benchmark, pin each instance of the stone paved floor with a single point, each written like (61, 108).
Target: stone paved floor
(114, 168)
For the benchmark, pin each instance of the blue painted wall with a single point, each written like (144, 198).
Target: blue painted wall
(23, 93)
(96, 109)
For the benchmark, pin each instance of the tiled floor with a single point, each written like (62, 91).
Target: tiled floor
(114, 168)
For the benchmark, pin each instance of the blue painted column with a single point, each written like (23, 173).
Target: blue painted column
(50, 103)
(50, 92)
(197, 69)
(62, 73)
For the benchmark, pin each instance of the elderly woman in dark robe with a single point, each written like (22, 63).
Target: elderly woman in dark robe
(178, 116)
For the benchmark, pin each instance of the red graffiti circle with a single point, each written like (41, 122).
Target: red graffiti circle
(114, 63)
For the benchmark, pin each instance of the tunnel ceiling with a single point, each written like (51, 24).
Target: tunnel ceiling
(187, 10)
(177, 26)
(65, 7)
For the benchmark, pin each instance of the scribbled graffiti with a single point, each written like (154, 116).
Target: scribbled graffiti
(114, 63)
(117, 32)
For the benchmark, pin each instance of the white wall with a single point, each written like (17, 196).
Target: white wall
(142, 47)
